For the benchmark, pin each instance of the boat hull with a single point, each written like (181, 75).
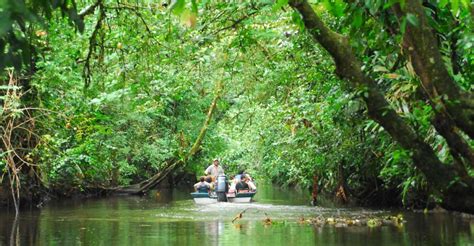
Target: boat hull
(205, 198)
(245, 197)
(240, 199)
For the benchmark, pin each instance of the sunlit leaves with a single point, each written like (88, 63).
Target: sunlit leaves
(297, 20)
(358, 18)
(373, 6)
(178, 6)
(188, 16)
(279, 4)
(335, 7)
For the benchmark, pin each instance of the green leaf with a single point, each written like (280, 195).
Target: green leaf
(373, 6)
(443, 3)
(178, 7)
(402, 4)
(403, 25)
(296, 18)
(378, 68)
(454, 7)
(412, 19)
(279, 4)
(358, 18)
(327, 5)
(466, 4)
(339, 7)
(194, 7)
(390, 3)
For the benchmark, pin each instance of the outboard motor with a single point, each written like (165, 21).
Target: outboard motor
(221, 188)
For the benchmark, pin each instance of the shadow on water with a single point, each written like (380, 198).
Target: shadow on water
(169, 217)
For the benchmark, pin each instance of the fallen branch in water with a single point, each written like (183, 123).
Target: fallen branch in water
(267, 220)
(239, 215)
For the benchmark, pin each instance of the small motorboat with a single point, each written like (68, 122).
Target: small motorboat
(222, 194)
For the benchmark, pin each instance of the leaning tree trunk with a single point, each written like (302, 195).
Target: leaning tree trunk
(453, 107)
(420, 43)
(440, 176)
(148, 184)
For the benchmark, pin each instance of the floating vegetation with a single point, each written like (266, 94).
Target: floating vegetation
(267, 220)
(371, 221)
(335, 221)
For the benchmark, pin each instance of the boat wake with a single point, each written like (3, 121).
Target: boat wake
(256, 211)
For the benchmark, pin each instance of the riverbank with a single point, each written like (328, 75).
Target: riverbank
(43, 195)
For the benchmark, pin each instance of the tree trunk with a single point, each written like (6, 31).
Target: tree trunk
(314, 192)
(419, 42)
(341, 186)
(459, 147)
(442, 177)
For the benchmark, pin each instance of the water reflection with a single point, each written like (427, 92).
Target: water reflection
(171, 218)
(15, 232)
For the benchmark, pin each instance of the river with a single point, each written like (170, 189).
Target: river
(170, 217)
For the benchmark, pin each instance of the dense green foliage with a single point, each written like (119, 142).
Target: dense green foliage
(115, 102)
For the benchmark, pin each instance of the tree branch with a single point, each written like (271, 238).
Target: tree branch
(422, 48)
(89, 9)
(348, 67)
(92, 44)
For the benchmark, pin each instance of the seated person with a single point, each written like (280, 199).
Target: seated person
(239, 175)
(250, 183)
(242, 184)
(202, 186)
(233, 182)
(210, 181)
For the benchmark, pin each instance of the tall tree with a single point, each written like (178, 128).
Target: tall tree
(456, 189)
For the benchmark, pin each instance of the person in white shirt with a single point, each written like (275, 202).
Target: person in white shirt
(202, 186)
(215, 169)
(249, 182)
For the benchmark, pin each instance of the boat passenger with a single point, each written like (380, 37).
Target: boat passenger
(250, 183)
(248, 176)
(242, 185)
(237, 177)
(233, 182)
(210, 181)
(214, 169)
(202, 186)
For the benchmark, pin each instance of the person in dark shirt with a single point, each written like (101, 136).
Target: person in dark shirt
(242, 184)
